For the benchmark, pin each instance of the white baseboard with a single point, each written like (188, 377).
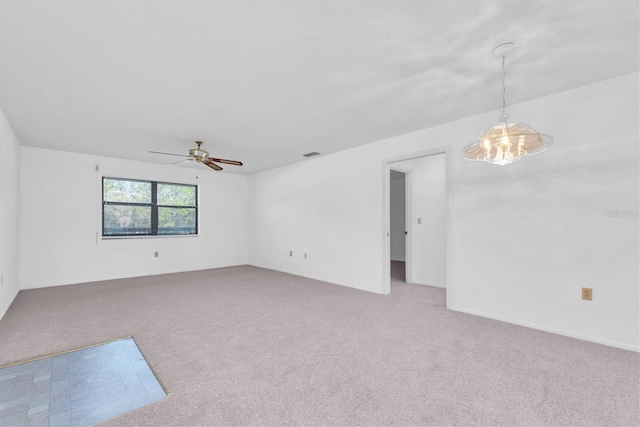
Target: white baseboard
(319, 279)
(429, 284)
(565, 333)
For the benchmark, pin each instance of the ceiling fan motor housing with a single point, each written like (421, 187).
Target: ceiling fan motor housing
(198, 153)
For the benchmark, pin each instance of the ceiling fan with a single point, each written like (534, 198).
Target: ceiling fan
(202, 156)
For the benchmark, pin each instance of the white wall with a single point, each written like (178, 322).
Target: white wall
(327, 207)
(525, 237)
(427, 189)
(397, 216)
(9, 214)
(61, 216)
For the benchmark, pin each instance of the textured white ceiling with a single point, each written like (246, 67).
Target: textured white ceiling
(265, 82)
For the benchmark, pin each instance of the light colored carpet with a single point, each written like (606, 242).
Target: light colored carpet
(249, 346)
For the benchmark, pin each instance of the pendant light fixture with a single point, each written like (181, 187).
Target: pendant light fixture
(507, 141)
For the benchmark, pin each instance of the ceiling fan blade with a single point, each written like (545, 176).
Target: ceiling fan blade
(228, 162)
(181, 161)
(169, 154)
(212, 165)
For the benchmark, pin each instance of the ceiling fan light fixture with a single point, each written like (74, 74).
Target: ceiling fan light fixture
(199, 153)
(507, 141)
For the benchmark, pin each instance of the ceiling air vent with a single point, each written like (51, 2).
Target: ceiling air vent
(313, 153)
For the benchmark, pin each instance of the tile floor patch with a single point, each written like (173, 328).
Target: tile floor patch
(83, 387)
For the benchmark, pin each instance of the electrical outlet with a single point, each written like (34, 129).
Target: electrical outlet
(587, 294)
(305, 255)
(156, 254)
(290, 253)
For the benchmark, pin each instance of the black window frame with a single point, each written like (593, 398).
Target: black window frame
(154, 208)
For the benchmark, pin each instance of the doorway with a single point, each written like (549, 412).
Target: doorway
(398, 231)
(418, 226)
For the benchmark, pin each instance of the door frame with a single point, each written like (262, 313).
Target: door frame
(387, 165)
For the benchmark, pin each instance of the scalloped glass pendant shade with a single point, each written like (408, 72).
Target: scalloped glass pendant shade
(505, 143)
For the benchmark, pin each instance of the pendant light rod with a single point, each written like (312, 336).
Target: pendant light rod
(502, 50)
(504, 89)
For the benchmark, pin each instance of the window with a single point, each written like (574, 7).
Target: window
(147, 208)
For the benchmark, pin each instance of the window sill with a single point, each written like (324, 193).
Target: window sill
(162, 236)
